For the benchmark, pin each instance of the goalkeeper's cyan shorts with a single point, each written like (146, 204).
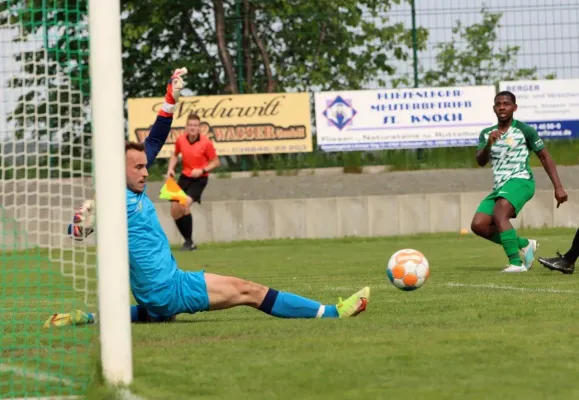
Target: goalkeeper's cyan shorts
(187, 295)
(192, 292)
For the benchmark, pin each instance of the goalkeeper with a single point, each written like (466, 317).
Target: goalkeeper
(161, 289)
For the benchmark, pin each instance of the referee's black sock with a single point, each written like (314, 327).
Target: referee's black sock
(185, 226)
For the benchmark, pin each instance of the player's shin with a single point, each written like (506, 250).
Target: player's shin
(289, 305)
(510, 244)
(521, 241)
(573, 253)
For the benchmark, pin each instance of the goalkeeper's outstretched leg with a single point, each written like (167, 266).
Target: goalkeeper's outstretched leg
(227, 292)
(201, 292)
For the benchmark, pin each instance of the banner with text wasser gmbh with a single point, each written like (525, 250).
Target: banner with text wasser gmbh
(403, 118)
(237, 124)
(549, 106)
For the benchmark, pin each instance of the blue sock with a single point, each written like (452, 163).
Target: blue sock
(134, 314)
(138, 314)
(331, 312)
(289, 305)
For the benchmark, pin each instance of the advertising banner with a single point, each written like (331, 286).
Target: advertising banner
(549, 106)
(237, 124)
(403, 118)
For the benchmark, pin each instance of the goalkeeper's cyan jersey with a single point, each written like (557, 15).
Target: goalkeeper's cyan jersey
(510, 154)
(152, 265)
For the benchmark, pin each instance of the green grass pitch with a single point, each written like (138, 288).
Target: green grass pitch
(469, 332)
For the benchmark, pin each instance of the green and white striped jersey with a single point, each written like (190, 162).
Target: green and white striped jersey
(510, 154)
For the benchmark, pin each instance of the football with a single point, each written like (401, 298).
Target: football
(408, 269)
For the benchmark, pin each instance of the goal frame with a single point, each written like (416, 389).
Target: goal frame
(108, 137)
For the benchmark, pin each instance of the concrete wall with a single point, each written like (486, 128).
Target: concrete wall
(306, 218)
(357, 216)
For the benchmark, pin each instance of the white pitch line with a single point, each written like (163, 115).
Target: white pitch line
(125, 394)
(44, 398)
(349, 289)
(36, 375)
(511, 288)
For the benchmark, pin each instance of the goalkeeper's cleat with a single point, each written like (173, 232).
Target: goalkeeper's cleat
(558, 263)
(528, 253)
(354, 304)
(76, 317)
(515, 269)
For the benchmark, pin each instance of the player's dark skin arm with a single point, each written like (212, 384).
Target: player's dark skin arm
(550, 167)
(551, 170)
(483, 155)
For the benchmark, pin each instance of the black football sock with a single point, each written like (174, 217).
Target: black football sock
(185, 225)
(573, 253)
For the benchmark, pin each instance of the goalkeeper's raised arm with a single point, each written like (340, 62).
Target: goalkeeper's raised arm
(162, 126)
(82, 224)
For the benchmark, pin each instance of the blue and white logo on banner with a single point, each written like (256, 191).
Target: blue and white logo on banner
(339, 112)
(549, 106)
(403, 118)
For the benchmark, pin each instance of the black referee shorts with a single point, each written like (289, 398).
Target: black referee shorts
(194, 187)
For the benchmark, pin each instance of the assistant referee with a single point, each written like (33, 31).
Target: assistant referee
(199, 158)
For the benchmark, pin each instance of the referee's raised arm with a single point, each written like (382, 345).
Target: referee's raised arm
(198, 158)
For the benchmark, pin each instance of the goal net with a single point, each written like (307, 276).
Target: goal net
(46, 171)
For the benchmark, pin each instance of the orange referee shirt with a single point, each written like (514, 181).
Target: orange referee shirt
(196, 154)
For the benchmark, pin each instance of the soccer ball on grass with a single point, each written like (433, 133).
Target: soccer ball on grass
(408, 269)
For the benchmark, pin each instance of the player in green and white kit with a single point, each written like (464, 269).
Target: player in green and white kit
(508, 145)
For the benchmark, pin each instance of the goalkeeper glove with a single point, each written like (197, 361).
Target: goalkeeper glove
(173, 92)
(83, 221)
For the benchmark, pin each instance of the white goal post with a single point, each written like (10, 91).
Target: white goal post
(108, 139)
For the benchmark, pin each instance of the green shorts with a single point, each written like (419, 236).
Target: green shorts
(516, 191)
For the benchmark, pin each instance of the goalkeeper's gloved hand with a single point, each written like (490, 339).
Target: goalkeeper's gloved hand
(173, 92)
(83, 221)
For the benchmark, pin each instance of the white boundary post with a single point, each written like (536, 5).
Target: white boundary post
(110, 185)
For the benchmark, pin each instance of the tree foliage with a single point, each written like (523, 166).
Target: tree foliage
(261, 46)
(472, 57)
(53, 81)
